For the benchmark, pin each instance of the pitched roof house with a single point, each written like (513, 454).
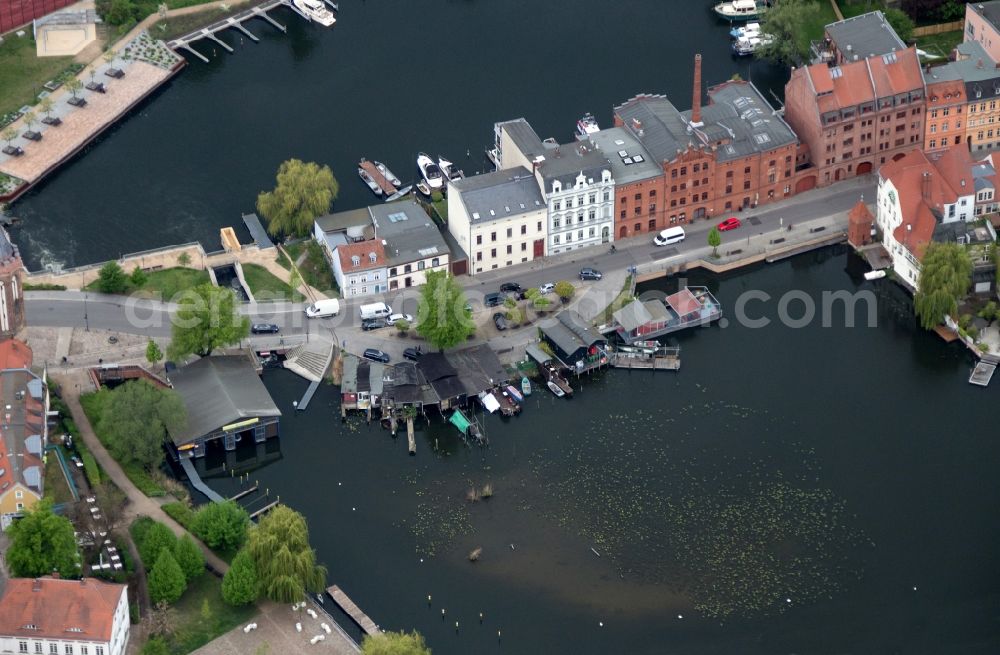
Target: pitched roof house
(23, 431)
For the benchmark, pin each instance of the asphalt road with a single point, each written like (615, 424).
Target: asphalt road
(152, 318)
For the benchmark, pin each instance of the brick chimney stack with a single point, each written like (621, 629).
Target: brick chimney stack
(696, 94)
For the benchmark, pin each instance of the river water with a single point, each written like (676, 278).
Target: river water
(390, 79)
(807, 490)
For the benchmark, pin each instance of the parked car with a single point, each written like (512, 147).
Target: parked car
(373, 324)
(670, 235)
(730, 223)
(493, 299)
(510, 287)
(500, 321)
(548, 287)
(590, 274)
(264, 328)
(413, 353)
(376, 355)
(400, 317)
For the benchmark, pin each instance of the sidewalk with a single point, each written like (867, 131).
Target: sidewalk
(139, 504)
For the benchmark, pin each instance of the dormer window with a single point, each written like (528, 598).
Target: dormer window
(355, 260)
(372, 257)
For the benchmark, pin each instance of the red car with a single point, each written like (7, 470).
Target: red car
(729, 224)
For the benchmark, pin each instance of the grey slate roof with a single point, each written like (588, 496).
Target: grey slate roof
(478, 368)
(632, 315)
(523, 136)
(616, 140)
(567, 161)
(866, 35)
(738, 113)
(571, 333)
(973, 67)
(341, 221)
(501, 194)
(218, 391)
(988, 10)
(349, 378)
(408, 232)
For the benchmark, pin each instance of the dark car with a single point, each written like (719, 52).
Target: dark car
(264, 328)
(376, 355)
(493, 299)
(373, 324)
(413, 353)
(590, 274)
(510, 287)
(500, 321)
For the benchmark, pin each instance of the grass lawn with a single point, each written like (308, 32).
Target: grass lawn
(939, 44)
(180, 25)
(314, 268)
(22, 74)
(93, 406)
(165, 284)
(441, 207)
(852, 8)
(56, 486)
(194, 627)
(819, 18)
(623, 298)
(265, 286)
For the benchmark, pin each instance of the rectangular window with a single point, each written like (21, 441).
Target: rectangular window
(421, 265)
(524, 247)
(557, 205)
(407, 268)
(22, 647)
(53, 649)
(479, 256)
(510, 232)
(555, 239)
(493, 252)
(621, 214)
(479, 241)
(18, 494)
(68, 650)
(638, 196)
(98, 650)
(524, 229)
(539, 229)
(638, 227)
(510, 249)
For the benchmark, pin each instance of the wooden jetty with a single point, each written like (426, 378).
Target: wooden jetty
(230, 22)
(654, 362)
(246, 492)
(507, 405)
(411, 439)
(982, 374)
(550, 372)
(352, 610)
(197, 482)
(388, 188)
(265, 508)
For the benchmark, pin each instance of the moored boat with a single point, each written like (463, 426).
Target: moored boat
(514, 393)
(384, 170)
(449, 170)
(367, 179)
(526, 386)
(740, 10)
(750, 29)
(423, 188)
(875, 275)
(489, 402)
(315, 10)
(586, 126)
(554, 388)
(430, 171)
(399, 194)
(748, 45)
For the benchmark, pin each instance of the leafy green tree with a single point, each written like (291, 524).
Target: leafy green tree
(157, 538)
(395, 643)
(189, 557)
(166, 580)
(136, 419)
(945, 277)
(403, 326)
(441, 318)
(183, 259)
(46, 105)
(222, 526)
(206, 319)
(541, 303)
(240, 584)
(785, 22)
(990, 311)
(155, 646)
(111, 278)
(73, 85)
(900, 22)
(121, 12)
(29, 118)
(9, 135)
(304, 191)
(138, 276)
(42, 542)
(714, 240)
(565, 290)
(153, 352)
(285, 562)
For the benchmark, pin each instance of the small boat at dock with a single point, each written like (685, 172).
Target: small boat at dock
(399, 194)
(514, 393)
(314, 10)
(449, 169)
(367, 179)
(748, 30)
(746, 46)
(526, 386)
(384, 170)
(424, 189)
(554, 388)
(875, 275)
(586, 126)
(430, 171)
(740, 10)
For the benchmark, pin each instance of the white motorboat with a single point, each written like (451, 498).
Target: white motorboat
(315, 10)
(405, 191)
(554, 388)
(748, 30)
(367, 179)
(586, 126)
(875, 275)
(430, 171)
(449, 170)
(740, 9)
(748, 45)
(387, 174)
(423, 188)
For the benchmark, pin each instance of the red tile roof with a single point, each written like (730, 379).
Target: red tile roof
(860, 213)
(362, 250)
(857, 82)
(59, 608)
(896, 72)
(922, 192)
(945, 92)
(14, 354)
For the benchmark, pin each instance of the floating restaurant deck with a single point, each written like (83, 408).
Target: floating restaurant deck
(641, 320)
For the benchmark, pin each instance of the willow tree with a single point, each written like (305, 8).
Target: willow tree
(285, 562)
(303, 192)
(206, 319)
(785, 23)
(945, 277)
(441, 315)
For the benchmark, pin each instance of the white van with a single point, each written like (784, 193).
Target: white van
(669, 235)
(323, 308)
(375, 310)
